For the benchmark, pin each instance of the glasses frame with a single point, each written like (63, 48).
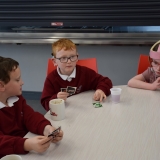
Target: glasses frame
(67, 58)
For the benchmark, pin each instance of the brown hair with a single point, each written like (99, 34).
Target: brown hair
(7, 65)
(63, 43)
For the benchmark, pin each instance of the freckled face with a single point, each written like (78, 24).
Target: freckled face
(68, 67)
(14, 86)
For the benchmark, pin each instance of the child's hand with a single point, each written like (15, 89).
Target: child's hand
(99, 95)
(39, 144)
(49, 129)
(58, 137)
(62, 95)
(156, 84)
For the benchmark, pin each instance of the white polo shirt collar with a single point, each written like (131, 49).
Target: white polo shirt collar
(10, 102)
(65, 77)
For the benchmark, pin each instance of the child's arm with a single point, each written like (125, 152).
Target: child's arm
(98, 82)
(139, 82)
(13, 145)
(50, 90)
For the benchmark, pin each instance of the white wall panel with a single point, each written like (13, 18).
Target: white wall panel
(119, 63)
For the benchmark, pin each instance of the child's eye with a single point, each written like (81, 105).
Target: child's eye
(63, 58)
(155, 62)
(72, 57)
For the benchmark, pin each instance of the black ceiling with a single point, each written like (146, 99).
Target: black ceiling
(74, 13)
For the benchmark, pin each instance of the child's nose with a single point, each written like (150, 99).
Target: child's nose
(158, 67)
(69, 60)
(22, 82)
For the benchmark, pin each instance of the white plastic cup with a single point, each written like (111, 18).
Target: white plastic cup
(57, 109)
(115, 94)
(11, 157)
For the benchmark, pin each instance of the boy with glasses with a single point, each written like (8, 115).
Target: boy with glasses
(150, 78)
(17, 118)
(77, 77)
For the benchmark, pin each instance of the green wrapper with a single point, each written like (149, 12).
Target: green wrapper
(97, 104)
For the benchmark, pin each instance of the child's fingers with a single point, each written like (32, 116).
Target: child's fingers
(94, 96)
(56, 139)
(102, 96)
(63, 95)
(44, 140)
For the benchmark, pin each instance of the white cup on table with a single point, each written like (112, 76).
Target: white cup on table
(11, 157)
(57, 109)
(115, 94)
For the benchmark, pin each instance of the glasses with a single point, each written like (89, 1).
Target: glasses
(65, 59)
(155, 64)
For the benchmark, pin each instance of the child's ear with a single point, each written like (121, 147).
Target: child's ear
(77, 57)
(54, 61)
(2, 88)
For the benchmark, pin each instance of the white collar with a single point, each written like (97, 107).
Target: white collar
(66, 77)
(10, 102)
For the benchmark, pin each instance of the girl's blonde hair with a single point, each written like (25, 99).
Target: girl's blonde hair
(155, 51)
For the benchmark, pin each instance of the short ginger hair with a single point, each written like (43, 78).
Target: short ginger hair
(63, 43)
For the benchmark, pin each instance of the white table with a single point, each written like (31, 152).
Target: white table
(129, 130)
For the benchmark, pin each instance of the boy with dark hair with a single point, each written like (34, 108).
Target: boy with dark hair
(17, 118)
